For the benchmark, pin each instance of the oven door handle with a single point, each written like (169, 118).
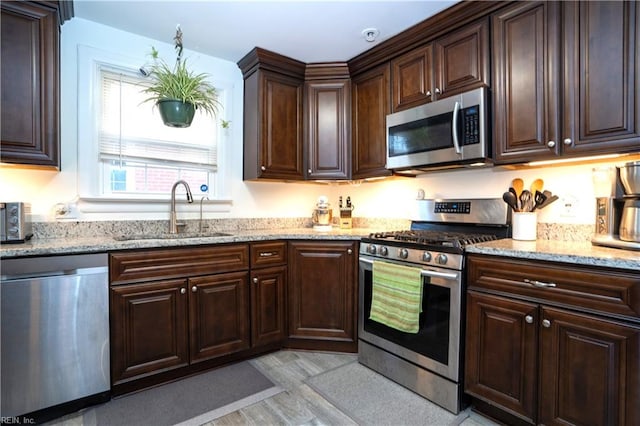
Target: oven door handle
(424, 272)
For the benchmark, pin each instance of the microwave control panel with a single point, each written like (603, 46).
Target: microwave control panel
(471, 125)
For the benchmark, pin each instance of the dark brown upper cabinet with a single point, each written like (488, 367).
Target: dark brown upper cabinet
(273, 92)
(565, 80)
(451, 64)
(327, 121)
(30, 131)
(296, 118)
(370, 105)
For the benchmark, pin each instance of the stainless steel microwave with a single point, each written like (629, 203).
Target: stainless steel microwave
(447, 133)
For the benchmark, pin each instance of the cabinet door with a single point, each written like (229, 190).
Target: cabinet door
(218, 315)
(602, 90)
(328, 145)
(148, 328)
(501, 348)
(412, 75)
(462, 60)
(268, 305)
(272, 126)
(30, 131)
(371, 93)
(323, 295)
(525, 82)
(589, 370)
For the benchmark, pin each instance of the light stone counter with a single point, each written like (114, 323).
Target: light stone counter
(576, 252)
(74, 245)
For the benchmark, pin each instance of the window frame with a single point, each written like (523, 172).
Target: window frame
(90, 61)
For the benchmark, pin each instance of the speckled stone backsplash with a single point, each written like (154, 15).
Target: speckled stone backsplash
(128, 227)
(564, 232)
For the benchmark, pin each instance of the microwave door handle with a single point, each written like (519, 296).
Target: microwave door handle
(456, 142)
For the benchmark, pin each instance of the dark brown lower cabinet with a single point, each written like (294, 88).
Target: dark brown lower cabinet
(538, 361)
(149, 329)
(268, 305)
(169, 324)
(323, 295)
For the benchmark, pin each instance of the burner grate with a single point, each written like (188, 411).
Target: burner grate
(434, 238)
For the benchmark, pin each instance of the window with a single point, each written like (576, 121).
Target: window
(128, 160)
(140, 155)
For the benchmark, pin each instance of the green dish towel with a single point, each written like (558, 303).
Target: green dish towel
(396, 299)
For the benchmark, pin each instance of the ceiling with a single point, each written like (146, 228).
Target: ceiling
(309, 31)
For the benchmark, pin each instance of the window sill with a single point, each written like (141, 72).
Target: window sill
(153, 204)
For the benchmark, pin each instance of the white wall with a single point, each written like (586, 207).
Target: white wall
(393, 199)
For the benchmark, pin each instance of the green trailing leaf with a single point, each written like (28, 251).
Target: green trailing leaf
(182, 84)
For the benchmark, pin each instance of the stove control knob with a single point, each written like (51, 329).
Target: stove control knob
(441, 259)
(371, 249)
(426, 256)
(384, 251)
(403, 253)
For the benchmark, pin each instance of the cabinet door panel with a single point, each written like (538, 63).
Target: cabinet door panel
(525, 74)
(268, 305)
(219, 315)
(589, 371)
(371, 99)
(412, 76)
(148, 328)
(501, 347)
(602, 91)
(462, 59)
(328, 144)
(322, 291)
(30, 86)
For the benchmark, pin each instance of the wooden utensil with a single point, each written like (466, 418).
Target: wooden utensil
(536, 186)
(518, 185)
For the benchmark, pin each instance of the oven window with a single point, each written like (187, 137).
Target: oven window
(432, 339)
(427, 134)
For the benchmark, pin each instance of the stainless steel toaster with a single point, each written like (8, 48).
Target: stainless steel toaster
(15, 222)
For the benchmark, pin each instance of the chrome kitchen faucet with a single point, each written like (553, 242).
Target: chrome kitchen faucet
(173, 222)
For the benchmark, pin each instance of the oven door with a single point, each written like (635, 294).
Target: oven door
(436, 346)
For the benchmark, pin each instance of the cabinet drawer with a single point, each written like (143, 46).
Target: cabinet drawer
(148, 265)
(268, 254)
(583, 287)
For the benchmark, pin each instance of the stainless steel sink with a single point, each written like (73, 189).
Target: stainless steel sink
(168, 236)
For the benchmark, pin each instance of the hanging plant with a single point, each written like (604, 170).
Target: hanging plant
(178, 91)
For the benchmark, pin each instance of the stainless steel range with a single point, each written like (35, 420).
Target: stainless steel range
(427, 361)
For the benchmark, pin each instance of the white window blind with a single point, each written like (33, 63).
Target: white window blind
(132, 130)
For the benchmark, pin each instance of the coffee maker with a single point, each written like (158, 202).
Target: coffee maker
(617, 206)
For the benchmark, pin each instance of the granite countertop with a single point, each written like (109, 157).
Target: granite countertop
(576, 252)
(74, 245)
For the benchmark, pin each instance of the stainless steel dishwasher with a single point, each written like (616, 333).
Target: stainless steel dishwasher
(55, 332)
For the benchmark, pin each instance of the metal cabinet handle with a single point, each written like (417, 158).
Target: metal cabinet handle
(428, 92)
(349, 251)
(194, 289)
(263, 168)
(528, 319)
(437, 91)
(551, 144)
(546, 323)
(567, 141)
(539, 284)
(267, 253)
(255, 280)
(183, 290)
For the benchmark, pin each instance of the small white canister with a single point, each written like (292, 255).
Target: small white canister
(525, 226)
